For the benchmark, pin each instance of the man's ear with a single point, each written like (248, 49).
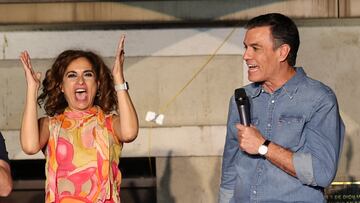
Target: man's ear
(284, 50)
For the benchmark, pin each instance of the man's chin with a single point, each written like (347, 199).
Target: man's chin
(255, 80)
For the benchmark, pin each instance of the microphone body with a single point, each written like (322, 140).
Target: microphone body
(243, 105)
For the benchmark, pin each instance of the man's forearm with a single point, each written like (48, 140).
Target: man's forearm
(5, 181)
(282, 158)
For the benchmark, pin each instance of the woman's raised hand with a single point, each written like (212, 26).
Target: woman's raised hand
(118, 71)
(32, 77)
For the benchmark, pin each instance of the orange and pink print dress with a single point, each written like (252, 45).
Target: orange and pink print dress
(82, 158)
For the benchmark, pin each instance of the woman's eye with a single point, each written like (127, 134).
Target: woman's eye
(71, 75)
(89, 74)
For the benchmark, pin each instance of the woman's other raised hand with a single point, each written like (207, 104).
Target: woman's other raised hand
(118, 69)
(32, 77)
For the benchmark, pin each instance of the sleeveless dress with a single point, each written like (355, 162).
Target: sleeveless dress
(82, 158)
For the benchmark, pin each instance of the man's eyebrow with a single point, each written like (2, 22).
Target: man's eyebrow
(255, 45)
(252, 44)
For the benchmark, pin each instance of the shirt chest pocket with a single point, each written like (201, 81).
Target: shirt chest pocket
(288, 132)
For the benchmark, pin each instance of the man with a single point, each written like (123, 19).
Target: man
(290, 152)
(5, 174)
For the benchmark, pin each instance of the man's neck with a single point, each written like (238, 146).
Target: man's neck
(272, 85)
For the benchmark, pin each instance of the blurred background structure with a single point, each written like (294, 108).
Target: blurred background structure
(167, 43)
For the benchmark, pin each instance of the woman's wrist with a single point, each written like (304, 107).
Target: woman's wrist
(119, 79)
(122, 86)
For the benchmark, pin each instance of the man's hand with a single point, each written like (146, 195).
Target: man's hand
(249, 138)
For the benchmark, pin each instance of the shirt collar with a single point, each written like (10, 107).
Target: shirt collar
(290, 87)
(255, 90)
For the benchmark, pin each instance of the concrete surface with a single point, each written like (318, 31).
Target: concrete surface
(198, 115)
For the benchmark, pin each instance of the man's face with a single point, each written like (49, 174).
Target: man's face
(260, 56)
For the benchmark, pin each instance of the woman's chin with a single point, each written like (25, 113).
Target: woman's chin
(81, 106)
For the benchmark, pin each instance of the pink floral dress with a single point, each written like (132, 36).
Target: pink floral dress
(82, 158)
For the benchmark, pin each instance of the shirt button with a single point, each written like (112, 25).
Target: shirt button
(254, 191)
(268, 124)
(272, 101)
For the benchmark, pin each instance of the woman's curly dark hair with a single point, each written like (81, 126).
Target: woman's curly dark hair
(54, 100)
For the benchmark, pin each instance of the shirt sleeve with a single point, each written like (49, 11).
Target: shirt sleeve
(228, 173)
(3, 152)
(316, 164)
(225, 195)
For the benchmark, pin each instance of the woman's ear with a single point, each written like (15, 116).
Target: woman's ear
(284, 52)
(61, 88)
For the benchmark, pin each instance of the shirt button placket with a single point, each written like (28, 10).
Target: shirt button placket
(253, 193)
(271, 110)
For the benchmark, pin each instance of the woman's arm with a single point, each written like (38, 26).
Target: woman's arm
(31, 128)
(126, 124)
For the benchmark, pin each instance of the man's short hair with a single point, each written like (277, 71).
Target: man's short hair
(283, 30)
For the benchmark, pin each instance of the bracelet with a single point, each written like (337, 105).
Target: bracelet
(120, 87)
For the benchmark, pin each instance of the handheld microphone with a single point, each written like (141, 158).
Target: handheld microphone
(243, 105)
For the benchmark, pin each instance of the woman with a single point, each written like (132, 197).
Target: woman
(80, 137)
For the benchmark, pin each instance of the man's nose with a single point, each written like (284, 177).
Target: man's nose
(246, 55)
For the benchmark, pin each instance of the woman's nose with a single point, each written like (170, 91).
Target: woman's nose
(80, 80)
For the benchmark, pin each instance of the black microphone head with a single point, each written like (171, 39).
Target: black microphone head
(243, 105)
(240, 95)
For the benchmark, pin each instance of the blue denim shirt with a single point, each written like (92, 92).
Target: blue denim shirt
(301, 116)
